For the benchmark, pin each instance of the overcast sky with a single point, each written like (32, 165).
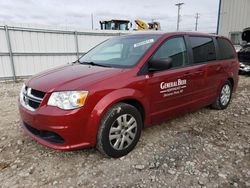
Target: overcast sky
(77, 13)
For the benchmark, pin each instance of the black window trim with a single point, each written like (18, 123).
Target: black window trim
(216, 47)
(144, 68)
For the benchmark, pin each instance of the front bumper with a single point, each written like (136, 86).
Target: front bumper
(56, 128)
(244, 68)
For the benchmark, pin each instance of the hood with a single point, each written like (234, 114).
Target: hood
(246, 35)
(70, 77)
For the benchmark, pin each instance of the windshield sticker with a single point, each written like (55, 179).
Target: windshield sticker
(173, 88)
(143, 43)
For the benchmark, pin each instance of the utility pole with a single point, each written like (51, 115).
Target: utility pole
(179, 16)
(92, 21)
(197, 16)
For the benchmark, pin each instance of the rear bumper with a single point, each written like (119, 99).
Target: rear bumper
(57, 129)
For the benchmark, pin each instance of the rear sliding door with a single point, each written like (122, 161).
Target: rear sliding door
(204, 59)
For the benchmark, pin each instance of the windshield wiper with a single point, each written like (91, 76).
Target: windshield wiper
(93, 63)
(76, 61)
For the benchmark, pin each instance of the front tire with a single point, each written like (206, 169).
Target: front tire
(224, 98)
(120, 130)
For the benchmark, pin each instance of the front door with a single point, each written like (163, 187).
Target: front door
(173, 91)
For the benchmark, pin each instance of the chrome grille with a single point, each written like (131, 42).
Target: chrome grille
(31, 98)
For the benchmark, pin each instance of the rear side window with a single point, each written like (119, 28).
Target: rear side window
(225, 49)
(203, 49)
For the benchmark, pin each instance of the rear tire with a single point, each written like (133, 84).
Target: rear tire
(120, 130)
(224, 98)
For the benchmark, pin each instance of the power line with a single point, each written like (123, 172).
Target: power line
(179, 16)
(197, 16)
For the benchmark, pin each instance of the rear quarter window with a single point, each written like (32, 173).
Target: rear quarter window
(225, 49)
(203, 49)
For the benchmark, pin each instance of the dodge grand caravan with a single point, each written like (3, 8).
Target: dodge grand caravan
(105, 98)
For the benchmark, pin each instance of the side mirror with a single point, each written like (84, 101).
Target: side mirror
(159, 64)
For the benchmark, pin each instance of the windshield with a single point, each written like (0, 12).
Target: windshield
(120, 51)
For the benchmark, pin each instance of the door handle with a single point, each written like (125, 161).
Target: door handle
(187, 73)
(199, 72)
(218, 68)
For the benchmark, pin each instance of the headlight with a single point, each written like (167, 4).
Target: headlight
(68, 100)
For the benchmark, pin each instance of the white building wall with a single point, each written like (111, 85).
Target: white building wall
(234, 16)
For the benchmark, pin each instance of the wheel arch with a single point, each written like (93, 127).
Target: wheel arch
(125, 95)
(231, 80)
(137, 104)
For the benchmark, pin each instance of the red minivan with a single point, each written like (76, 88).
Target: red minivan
(105, 98)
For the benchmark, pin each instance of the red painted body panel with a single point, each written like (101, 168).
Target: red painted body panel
(108, 86)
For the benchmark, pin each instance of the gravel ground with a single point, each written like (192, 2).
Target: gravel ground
(207, 148)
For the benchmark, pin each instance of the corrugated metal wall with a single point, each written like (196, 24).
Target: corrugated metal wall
(31, 50)
(5, 65)
(234, 16)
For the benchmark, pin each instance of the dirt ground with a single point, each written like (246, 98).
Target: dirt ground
(207, 148)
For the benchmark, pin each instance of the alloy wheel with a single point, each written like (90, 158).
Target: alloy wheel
(225, 95)
(122, 132)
